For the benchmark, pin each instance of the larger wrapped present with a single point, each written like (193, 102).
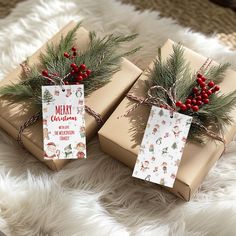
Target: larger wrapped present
(103, 100)
(123, 143)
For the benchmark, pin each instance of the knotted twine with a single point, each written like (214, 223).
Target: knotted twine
(37, 116)
(151, 100)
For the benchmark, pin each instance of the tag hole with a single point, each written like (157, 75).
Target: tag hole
(171, 117)
(63, 90)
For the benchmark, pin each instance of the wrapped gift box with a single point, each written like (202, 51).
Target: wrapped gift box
(127, 132)
(103, 101)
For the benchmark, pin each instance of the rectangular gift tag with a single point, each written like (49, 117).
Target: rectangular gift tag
(162, 146)
(63, 122)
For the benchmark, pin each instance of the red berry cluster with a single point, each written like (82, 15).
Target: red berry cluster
(77, 72)
(200, 94)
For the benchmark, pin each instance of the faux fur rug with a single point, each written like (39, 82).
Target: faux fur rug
(98, 196)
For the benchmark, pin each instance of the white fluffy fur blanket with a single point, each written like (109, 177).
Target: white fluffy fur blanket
(98, 196)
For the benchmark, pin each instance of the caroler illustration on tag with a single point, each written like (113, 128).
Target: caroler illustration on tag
(162, 146)
(63, 122)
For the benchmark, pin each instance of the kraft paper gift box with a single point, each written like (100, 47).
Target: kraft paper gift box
(121, 135)
(103, 101)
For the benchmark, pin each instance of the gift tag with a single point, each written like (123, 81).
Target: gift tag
(162, 146)
(63, 122)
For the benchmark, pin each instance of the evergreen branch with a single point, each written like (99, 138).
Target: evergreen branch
(216, 73)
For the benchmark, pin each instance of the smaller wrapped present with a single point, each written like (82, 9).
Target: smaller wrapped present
(128, 122)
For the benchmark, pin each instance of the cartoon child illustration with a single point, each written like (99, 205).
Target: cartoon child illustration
(151, 148)
(82, 131)
(184, 139)
(51, 151)
(166, 135)
(80, 148)
(141, 149)
(159, 141)
(144, 166)
(45, 134)
(80, 110)
(164, 167)
(56, 92)
(68, 151)
(81, 102)
(68, 92)
(173, 176)
(176, 131)
(155, 129)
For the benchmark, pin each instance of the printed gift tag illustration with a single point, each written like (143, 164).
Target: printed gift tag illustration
(162, 146)
(63, 122)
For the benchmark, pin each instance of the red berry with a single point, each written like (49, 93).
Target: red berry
(79, 78)
(188, 106)
(194, 101)
(204, 88)
(66, 82)
(66, 55)
(205, 96)
(211, 84)
(188, 101)
(72, 72)
(183, 107)
(88, 72)
(199, 80)
(76, 69)
(209, 92)
(202, 85)
(195, 108)
(74, 54)
(73, 65)
(178, 104)
(206, 101)
(199, 103)
(72, 57)
(199, 97)
(217, 88)
(199, 75)
(77, 83)
(195, 90)
(83, 67)
(45, 73)
(84, 76)
(73, 49)
(203, 79)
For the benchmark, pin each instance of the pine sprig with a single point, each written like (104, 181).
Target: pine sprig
(175, 73)
(103, 57)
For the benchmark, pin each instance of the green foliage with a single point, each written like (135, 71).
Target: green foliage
(103, 57)
(175, 74)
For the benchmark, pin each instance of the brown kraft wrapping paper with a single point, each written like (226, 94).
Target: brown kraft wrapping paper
(121, 136)
(103, 101)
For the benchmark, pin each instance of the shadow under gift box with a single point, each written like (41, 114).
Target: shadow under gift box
(103, 100)
(121, 136)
